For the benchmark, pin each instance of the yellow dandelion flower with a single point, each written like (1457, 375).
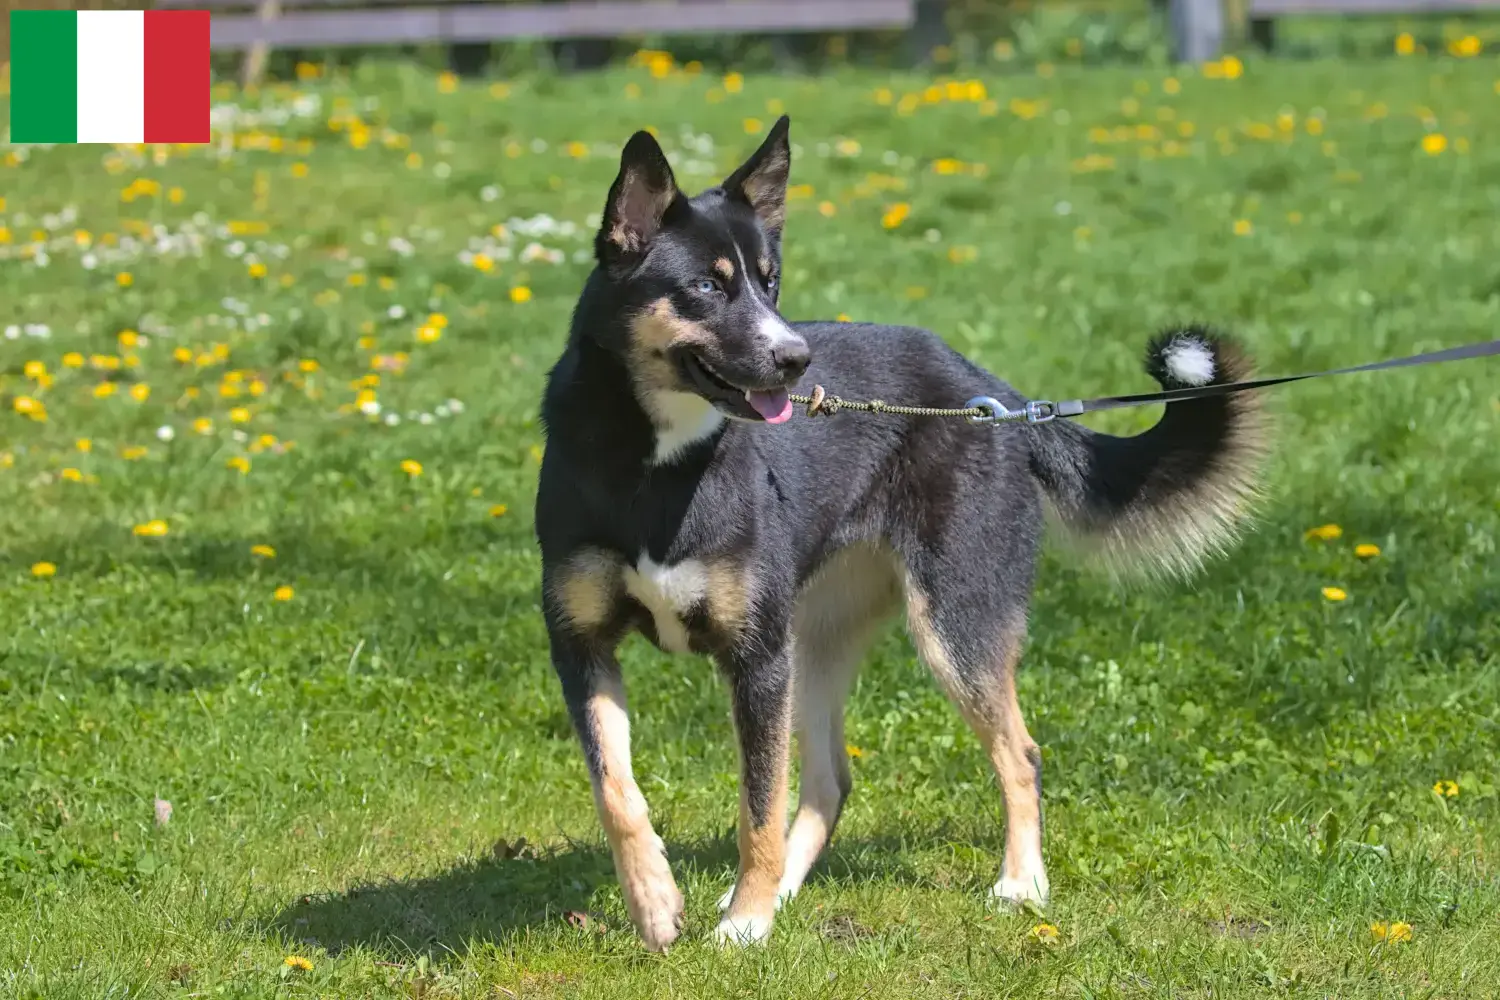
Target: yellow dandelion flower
(239, 415)
(1446, 789)
(307, 365)
(1405, 44)
(1243, 227)
(1334, 594)
(843, 318)
(285, 593)
(827, 209)
(34, 369)
(257, 270)
(72, 360)
(1434, 143)
(104, 390)
(72, 475)
(239, 463)
(84, 445)
(203, 425)
(498, 510)
(128, 338)
(520, 293)
(355, 280)
(29, 407)
(895, 215)
(1367, 550)
(175, 195)
(1324, 532)
(1045, 933)
(124, 279)
(447, 82)
(42, 570)
(133, 453)
(853, 751)
(140, 392)
(411, 467)
(293, 961)
(429, 334)
(183, 355)
(1466, 47)
(264, 551)
(483, 263)
(151, 529)
(299, 170)
(1391, 933)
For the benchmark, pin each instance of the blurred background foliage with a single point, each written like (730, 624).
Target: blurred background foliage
(958, 35)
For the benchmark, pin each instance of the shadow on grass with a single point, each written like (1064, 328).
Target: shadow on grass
(486, 901)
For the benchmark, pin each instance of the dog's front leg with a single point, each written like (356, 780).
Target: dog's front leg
(595, 694)
(760, 684)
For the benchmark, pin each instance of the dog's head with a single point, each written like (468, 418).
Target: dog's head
(697, 279)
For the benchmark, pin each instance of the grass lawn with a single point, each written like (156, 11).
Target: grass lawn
(268, 557)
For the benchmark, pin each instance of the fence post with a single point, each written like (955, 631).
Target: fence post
(929, 30)
(255, 60)
(1197, 29)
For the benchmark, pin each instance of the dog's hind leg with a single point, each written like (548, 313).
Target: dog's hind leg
(970, 633)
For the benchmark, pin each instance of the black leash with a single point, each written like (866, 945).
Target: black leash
(1041, 410)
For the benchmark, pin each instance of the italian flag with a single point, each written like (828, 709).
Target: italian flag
(109, 76)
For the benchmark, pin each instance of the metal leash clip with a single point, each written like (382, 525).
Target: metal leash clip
(1038, 411)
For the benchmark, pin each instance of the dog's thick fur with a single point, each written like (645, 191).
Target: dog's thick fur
(668, 503)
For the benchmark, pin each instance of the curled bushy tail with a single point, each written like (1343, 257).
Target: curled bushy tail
(1176, 493)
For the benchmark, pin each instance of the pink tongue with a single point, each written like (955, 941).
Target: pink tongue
(773, 405)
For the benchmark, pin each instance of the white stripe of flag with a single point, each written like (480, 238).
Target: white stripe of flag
(111, 76)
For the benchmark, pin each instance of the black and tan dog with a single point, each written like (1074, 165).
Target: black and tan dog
(679, 499)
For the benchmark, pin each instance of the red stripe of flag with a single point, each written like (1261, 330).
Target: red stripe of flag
(177, 76)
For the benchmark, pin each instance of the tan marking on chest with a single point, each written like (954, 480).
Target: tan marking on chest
(729, 596)
(587, 587)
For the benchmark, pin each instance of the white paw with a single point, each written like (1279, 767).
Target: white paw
(742, 931)
(654, 901)
(1018, 891)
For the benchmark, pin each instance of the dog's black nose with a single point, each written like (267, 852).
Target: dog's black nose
(791, 357)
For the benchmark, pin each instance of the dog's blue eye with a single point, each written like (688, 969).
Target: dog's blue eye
(770, 283)
(708, 286)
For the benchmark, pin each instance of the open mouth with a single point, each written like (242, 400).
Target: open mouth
(771, 405)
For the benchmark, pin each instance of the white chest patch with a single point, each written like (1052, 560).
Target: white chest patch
(668, 592)
(681, 418)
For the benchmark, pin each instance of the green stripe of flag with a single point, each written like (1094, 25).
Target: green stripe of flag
(43, 76)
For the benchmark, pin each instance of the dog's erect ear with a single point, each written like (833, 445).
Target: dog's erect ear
(761, 180)
(638, 201)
